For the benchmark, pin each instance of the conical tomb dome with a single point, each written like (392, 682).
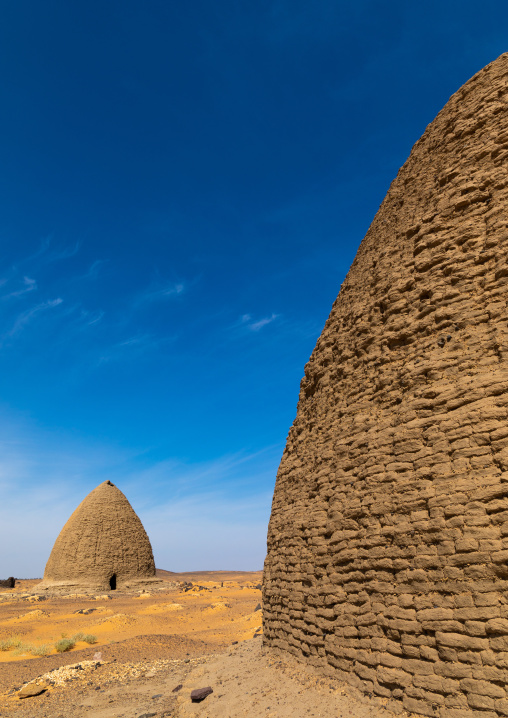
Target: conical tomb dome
(103, 545)
(387, 559)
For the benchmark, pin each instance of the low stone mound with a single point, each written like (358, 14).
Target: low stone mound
(218, 606)
(31, 615)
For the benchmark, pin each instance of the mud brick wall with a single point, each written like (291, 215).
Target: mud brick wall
(387, 555)
(102, 546)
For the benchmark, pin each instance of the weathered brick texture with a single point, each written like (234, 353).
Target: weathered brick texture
(102, 540)
(387, 555)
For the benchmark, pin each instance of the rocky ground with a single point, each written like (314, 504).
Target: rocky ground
(132, 673)
(244, 679)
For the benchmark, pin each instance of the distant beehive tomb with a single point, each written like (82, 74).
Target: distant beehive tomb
(102, 546)
(387, 555)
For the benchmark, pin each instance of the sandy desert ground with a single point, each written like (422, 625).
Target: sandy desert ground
(152, 649)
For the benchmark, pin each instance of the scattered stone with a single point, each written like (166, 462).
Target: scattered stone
(86, 611)
(199, 694)
(147, 715)
(178, 688)
(34, 688)
(258, 608)
(157, 695)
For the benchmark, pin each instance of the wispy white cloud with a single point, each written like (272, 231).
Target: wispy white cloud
(43, 248)
(94, 269)
(219, 534)
(132, 347)
(45, 254)
(64, 253)
(27, 285)
(242, 469)
(86, 333)
(160, 291)
(29, 315)
(92, 318)
(255, 325)
(221, 506)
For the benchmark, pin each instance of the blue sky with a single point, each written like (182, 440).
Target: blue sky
(183, 189)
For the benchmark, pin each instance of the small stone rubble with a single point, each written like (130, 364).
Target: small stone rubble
(199, 694)
(188, 586)
(60, 676)
(86, 672)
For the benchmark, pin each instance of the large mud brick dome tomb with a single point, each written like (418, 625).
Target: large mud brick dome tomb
(102, 546)
(387, 555)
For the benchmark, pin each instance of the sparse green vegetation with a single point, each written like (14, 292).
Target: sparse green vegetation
(23, 649)
(18, 648)
(10, 643)
(88, 638)
(43, 650)
(64, 644)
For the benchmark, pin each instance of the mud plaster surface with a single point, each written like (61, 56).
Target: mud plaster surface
(388, 541)
(103, 541)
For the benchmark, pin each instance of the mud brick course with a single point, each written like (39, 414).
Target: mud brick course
(102, 546)
(387, 555)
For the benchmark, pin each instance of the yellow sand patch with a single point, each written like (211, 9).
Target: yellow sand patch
(256, 617)
(31, 615)
(200, 614)
(100, 610)
(162, 608)
(116, 621)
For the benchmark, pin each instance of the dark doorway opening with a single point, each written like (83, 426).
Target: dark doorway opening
(112, 582)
